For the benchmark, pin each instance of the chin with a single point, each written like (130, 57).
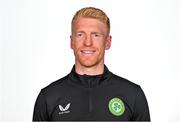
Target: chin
(88, 64)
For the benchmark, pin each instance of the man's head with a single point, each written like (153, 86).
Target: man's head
(90, 36)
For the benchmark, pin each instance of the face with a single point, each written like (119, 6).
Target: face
(89, 40)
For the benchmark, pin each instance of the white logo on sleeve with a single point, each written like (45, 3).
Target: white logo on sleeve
(64, 110)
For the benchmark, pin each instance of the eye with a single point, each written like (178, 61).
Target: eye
(96, 34)
(79, 34)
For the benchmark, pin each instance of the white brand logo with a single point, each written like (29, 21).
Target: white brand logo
(64, 110)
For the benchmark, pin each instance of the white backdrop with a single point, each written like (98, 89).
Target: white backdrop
(35, 50)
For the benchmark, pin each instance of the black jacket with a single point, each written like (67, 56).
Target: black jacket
(105, 97)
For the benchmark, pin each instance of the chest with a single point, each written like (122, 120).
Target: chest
(91, 104)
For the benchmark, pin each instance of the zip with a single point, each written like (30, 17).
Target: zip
(90, 102)
(90, 96)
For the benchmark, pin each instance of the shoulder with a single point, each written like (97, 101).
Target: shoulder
(56, 86)
(125, 87)
(123, 82)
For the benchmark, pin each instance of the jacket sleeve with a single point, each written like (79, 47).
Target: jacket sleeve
(141, 109)
(40, 108)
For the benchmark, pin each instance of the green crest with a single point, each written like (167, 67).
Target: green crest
(116, 106)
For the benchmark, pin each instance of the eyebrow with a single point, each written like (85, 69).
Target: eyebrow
(97, 33)
(91, 32)
(78, 32)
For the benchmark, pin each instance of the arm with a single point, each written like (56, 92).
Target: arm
(141, 109)
(40, 108)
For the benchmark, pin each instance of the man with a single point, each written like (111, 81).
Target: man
(91, 91)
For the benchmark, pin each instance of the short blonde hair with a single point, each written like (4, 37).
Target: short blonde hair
(91, 12)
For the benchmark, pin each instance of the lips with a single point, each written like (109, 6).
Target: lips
(88, 52)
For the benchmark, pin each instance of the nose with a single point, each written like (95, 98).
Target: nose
(88, 41)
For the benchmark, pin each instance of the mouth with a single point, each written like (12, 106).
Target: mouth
(88, 52)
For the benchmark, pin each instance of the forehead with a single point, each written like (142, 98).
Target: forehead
(89, 24)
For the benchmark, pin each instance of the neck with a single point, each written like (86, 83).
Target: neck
(94, 70)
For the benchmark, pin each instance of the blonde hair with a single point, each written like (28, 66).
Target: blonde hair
(91, 12)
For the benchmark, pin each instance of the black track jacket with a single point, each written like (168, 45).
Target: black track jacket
(105, 97)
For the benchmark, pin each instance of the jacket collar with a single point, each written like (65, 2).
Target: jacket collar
(89, 81)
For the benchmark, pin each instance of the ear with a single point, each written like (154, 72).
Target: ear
(72, 42)
(108, 42)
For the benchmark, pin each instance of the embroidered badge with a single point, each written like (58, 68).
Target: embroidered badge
(116, 106)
